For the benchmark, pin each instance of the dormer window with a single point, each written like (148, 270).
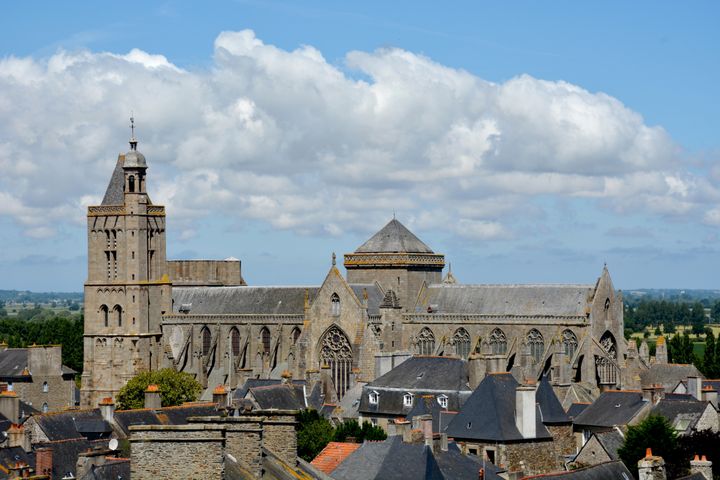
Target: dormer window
(374, 397)
(408, 400)
(443, 401)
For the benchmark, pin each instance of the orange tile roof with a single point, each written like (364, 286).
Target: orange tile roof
(332, 455)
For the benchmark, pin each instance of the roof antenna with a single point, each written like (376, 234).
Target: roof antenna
(133, 141)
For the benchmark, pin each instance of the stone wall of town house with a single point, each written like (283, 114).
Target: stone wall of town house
(563, 439)
(532, 457)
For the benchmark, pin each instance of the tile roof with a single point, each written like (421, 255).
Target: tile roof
(614, 470)
(489, 413)
(242, 300)
(332, 455)
(507, 300)
(394, 238)
(612, 408)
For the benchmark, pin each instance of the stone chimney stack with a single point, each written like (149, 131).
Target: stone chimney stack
(661, 353)
(220, 396)
(651, 467)
(107, 409)
(44, 461)
(19, 437)
(152, 397)
(709, 394)
(703, 466)
(694, 386)
(10, 406)
(525, 411)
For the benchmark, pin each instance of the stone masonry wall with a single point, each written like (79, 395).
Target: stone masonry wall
(563, 439)
(280, 438)
(532, 458)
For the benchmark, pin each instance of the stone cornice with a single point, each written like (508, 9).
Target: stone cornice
(477, 318)
(120, 211)
(394, 259)
(232, 318)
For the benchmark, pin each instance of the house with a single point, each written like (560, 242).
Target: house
(396, 393)
(333, 455)
(687, 415)
(519, 426)
(614, 408)
(669, 375)
(602, 447)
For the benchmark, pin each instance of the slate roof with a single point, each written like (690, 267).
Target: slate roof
(73, 424)
(394, 238)
(9, 456)
(715, 384)
(112, 470)
(375, 296)
(65, 454)
(507, 300)
(12, 363)
(426, 373)
(350, 403)
(683, 415)
(114, 195)
(576, 409)
(242, 300)
(393, 459)
(668, 374)
(615, 470)
(280, 397)
(694, 476)
(551, 412)
(612, 408)
(427, 405)
(332, 455)
(489, 413)
(611, 441)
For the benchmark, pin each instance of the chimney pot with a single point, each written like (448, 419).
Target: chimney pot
(648, 452)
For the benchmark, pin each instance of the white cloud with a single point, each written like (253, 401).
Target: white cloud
(286, 137)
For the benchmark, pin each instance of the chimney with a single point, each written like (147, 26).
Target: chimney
(44, 461)
(286, 377)
(152, 397)
(703, 466)
(652, 393)
(220, 396)
(426, 427)
(481, 474)
(525, 410)
(19, 437)
(20, 470)
(651, 467)
(694, 386)
(709, 394)
(402, 427)
(90, 459)
(10, 406)
(107, 409)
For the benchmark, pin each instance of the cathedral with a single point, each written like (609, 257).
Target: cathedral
(144, 312)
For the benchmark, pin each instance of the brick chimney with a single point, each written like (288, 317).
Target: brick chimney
(19, 437)
(694, 386)
(525, 413)
(702, 466)
(220, 396)
(10, 406)
(44, 461)
(152, 397)
(107, 409)
(651, 467)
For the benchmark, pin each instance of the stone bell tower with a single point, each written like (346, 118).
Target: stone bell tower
(128, 288)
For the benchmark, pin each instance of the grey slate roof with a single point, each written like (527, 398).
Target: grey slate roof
(240, 392)
(489, 413)
(12, 363)
(426, 373)
(536, 300)
(668, 374)
(612, 408)
(114, 195)
(112, 470)
(394, 238)
(9, 456)
(576, 409)
(615, 470)
(551, 412)
(394, 460)
(242, 300)
(683, 415)
(611, 441)
(163, 416)
(280, 397)
(73, 424)
(714, 384)
(375, 295)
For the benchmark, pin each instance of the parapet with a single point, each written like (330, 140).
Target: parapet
(206, 273)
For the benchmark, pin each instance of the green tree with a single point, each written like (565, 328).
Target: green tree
(680, 349)
(175, 388)
(715, 311)
(314, 433)
(654, 432)
(711, 363)
(351, 428)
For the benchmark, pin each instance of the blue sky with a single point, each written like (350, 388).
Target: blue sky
(529, 142)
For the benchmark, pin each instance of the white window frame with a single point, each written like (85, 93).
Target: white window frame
(374, 397)
(408, 400)
(443, 401)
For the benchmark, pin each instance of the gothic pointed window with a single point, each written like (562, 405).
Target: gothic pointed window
(461, 341)
(205, 338)
(117, 310)
(295, 335)
(536, 343)
(605, 362)
(335, 305)
(235, 342)
(265, 340)
(498, 342)
(570, 343)
(105, 315)
(426, 342)
(336, 353)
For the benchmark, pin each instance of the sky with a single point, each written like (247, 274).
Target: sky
(529, 142)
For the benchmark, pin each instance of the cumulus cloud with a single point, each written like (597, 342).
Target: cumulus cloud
(289, 138)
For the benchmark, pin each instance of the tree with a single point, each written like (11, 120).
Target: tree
(175, 388)
(654, 432)
(715, 311)
(351, 428)
(711, 362)
(314, 433)
(680, 349)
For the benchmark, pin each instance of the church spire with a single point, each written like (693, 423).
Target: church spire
(133, 140)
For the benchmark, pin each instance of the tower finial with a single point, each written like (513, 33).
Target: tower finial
(133, 141)
(333, 259)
